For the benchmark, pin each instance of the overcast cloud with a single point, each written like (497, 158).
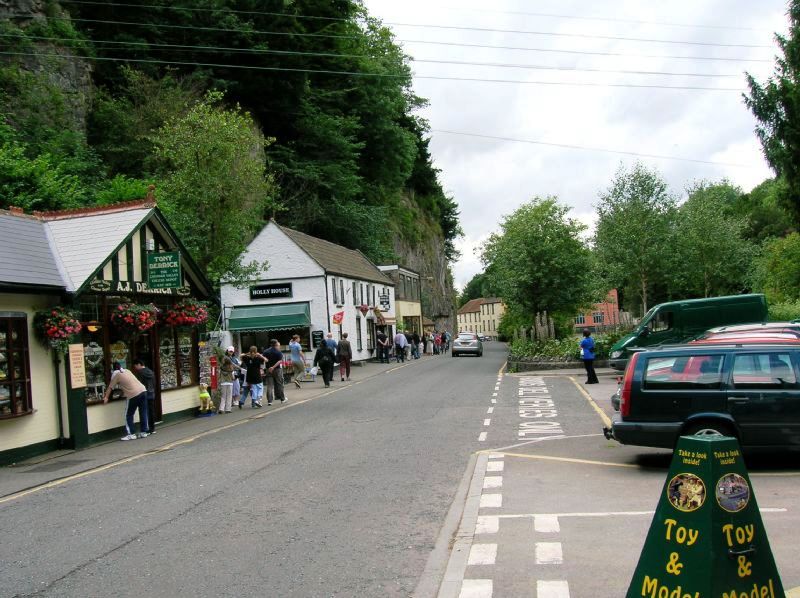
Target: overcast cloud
(491, 178)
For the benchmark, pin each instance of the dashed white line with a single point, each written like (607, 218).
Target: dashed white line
(491, 501)
(476, 588)
(490, 410)
(494, 394)
(487, 524)
(482, 437)
(482, 554)
(552, 589)
(495, 466)
(494, 481)
(487, 422)
(549, 553)
(546, 524)
(494, 400)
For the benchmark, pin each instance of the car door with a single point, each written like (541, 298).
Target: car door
(764, 397)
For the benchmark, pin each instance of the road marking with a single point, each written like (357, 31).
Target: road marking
(552, 589)
(496, 455)
(482, 554)
(494, 400)
(487, 524)
(546, 524)
(610, 513)
(570, 460)
(476, 588)
(490, 410)
(495, 466)
(595, 406)
(493, 481)
(502, 367)
(487, 422)
(482, 437)
(491, 501)
(537, 440)
(549, 553)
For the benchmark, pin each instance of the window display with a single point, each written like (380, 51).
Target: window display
(15, 384)
(166, 353)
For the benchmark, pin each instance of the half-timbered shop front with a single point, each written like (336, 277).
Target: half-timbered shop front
(128, 290)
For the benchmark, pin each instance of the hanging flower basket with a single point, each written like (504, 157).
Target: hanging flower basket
(54, 326)
(188, 312)
(134, 318)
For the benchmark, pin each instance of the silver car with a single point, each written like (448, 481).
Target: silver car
(467, 343)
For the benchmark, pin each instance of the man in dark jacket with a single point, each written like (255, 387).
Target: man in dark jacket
(344, 355)
(146, 376)
(324, 358)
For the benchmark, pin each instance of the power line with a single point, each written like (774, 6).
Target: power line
(257, 51)
(448, 27)
(374, 75)
(590, 149)
(460, 9)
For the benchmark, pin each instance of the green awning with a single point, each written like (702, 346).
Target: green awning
(270, 317)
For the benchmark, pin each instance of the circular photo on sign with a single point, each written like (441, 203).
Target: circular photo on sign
(733, 492)
(686, 492)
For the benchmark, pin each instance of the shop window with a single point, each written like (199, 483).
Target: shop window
(370, 335)
(334, 292)
(355, 294)
(167, 359)
(15, 380)
(341, 289)
(358, 334)
(177, 351)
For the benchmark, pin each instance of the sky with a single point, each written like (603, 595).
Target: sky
(485, 118)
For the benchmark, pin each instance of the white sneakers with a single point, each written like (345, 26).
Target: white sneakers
(134, 436)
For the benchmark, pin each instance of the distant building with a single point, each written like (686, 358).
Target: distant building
(408, 298)
(481, 316)
(601, 315)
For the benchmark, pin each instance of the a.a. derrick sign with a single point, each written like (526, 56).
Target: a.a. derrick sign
(268, 291)
(164, 270)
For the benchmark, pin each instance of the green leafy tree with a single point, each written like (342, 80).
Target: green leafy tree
(633, 236)
(776, 106)
(215, 190)
(777, 270)
(538, 262)
(765, 212)
(711, 256)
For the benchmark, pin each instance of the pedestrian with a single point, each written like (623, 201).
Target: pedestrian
(383, 346)
(238, 376)
(146, 376)
(274, 373)
(445, 341)
(344, 355)
(424, 343)
(252, 362)
(324, 358)
(298, 360)
(587, 355)
(227, 374)
(400, 343)
(135, 395)
(437, 346)
(330, 342)
(415, 342)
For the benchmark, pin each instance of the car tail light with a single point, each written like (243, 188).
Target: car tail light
(627, 382)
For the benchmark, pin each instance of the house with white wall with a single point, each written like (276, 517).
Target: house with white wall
(311, 287)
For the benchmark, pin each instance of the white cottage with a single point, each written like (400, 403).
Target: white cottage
(312, 287)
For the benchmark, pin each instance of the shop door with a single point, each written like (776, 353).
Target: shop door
(145, 349)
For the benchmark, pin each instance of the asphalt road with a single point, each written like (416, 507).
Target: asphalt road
(343, 495)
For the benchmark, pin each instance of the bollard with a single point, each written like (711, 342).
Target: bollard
(706, 538)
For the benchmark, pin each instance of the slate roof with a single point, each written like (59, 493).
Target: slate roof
(336, 259)
(470, 306)
(26, 257)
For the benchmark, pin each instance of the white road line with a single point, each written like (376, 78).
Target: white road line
(494, 400)
(495, 466)
(482, 437)
(546, 524)
(491, 501)
(612, 513)
(490, 410)
(487, 524)
(486, 422)
(494, 481)
(552, 589)
(482, 554)
(496, 455)
(497, 388)
(476, 588)
(549, 553)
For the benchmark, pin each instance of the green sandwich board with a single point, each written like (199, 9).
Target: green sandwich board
(707, 539)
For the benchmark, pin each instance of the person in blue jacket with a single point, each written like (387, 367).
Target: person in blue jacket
(587, 355)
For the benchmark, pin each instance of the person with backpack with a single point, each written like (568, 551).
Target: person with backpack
(324, 358)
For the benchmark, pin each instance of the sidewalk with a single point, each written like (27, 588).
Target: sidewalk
(58, 466)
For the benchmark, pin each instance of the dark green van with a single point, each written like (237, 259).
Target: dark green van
(681, 321)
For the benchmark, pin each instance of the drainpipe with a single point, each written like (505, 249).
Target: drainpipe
(56, 361)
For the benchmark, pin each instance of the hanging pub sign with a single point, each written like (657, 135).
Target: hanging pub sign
(164, 270)
(268, 291)
(384, 301)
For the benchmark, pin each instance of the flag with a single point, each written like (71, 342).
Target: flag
(338, 317)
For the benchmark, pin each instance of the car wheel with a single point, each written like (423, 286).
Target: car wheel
(709, 428)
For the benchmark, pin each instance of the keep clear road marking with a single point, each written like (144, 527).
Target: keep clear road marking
(552, 589)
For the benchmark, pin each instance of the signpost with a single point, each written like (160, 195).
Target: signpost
(164, 270)
(707, 538)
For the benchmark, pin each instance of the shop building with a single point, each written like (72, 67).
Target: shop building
(91, 261)
(311, 287)
(408, 294)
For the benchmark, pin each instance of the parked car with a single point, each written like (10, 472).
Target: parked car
(682, 321)
(467, 343)
(754, 328)
(749, 391)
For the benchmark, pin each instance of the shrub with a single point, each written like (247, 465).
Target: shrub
(784, 312)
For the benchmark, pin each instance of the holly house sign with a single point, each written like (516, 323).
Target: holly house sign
(707, 538)
(164, 270)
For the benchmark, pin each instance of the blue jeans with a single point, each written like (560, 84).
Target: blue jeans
(256, 391)
(138, 402)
